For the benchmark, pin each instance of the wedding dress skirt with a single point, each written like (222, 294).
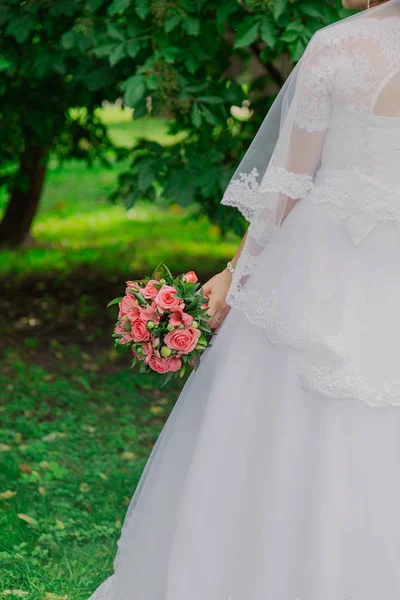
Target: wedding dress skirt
(277, 474)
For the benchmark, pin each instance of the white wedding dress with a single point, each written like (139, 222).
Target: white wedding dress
(277, 475)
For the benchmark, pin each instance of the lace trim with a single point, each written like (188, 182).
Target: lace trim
(294, 185)
(347, 194)
(349, 383)
(243, 193)
(305, 336)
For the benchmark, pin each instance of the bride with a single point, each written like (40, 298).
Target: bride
(277, 474)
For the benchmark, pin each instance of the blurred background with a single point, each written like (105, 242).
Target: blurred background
(121, 123)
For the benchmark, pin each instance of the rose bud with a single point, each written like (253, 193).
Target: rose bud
(139, 350)
(150, 324)
(195, 325)
(181, 326)
(165, 351)
(156, 341)
(162, 281)
(170, 327)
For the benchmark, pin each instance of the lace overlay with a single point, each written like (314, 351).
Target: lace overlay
(350, 383)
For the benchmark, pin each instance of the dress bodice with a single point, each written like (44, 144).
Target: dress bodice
(365, 144)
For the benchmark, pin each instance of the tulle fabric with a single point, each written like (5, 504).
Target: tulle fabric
(276, 477)
(258, 489)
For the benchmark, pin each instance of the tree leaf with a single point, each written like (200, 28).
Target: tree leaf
(27, 519)
(118, 5)
(132, 48)
(21, 27)
(195, 115)
(268, 32)
(7, 495)
(279, 8)
(142, 8)
(135, 90)
(69, 39)
(171, 22)
(247, 32)
(117, 54)
(191, 25)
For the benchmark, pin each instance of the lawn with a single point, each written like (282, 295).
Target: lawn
(77, 424)
(73, 442)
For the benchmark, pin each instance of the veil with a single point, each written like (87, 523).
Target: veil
(281, 165)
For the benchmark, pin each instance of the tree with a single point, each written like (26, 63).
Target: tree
(198, 58)
(46, 70)
(193, 58)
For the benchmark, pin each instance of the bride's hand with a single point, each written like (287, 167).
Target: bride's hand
(215, 290)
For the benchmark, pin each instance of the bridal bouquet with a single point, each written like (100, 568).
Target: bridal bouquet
(163, 320)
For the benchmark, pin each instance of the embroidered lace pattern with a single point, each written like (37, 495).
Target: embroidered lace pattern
(336, 68)
(306, 336)
(349, 383)
(244, 194)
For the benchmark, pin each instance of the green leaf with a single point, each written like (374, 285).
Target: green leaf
(20, 28)
(191, 63)
(247, 32)
(117, 54)
(115, 32)
(134, 89)
(118, 5)
(195, 115)
(211, 99)
(191, 25)
(141, 299)
(69, 39)
(310, 9)
(142, 8)
(225, 9)
(279, 8)
(171, 22)
(102, 51)
(115, 301)
(4, 63)
(268, 32)
(210, 116)
(289, 36)
(132, 48)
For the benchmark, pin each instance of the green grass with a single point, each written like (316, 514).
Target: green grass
(76, 425)
(77, 226)
(72, 446)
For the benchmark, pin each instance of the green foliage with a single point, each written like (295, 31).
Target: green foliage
(196, 61)
(191, 61)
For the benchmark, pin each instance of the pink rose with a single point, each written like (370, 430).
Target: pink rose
(148, 351)
(131, 285)
(148, 313)
(159, 365)
(190, 277)
(139, 331)
(167, 299)
(128, 307)
(180, 318)
(174, 363)
(182, 340)
(150, 291)
(164, 365)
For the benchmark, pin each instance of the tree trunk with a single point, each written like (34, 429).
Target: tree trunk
(25, 196)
